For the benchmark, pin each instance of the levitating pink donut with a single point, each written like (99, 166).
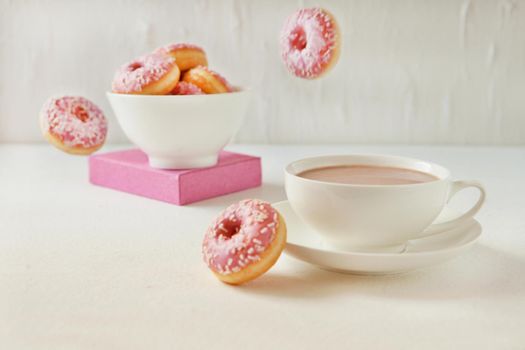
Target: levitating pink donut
(73, 124)
(310, 42)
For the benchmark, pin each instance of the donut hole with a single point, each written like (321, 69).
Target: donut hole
(298, 39)
(134, 66)
(230, 228)
(80, 113)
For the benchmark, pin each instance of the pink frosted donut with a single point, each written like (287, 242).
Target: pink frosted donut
(178, 46)
(210, 82)
(186, 56)
(154, 74)
(310, 42)
(184, 88)
(244, 241)
(73, 124)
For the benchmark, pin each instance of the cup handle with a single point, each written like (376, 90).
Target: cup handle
(457, 186)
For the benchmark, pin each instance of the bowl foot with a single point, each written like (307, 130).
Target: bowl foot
(183, 163)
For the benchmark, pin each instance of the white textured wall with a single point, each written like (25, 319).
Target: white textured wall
(411, 71)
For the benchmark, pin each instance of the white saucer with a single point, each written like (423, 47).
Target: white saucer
(304, 244)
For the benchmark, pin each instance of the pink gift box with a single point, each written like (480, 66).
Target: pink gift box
(128, 171)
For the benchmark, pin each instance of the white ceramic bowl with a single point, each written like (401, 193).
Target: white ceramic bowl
(180, 132)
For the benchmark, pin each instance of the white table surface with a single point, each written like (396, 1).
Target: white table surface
(85, 267)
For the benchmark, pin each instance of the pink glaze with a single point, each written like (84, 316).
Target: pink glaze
(76, 121)
(173, 47)
(135, 75)
(185, 88)
(308, 41)
(239, 236)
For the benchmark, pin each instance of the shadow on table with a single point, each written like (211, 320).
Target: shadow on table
(267, 191)
(482, 272)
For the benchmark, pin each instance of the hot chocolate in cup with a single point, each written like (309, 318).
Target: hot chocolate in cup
(373, 203)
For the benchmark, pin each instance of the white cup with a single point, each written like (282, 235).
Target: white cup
(374, 217)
